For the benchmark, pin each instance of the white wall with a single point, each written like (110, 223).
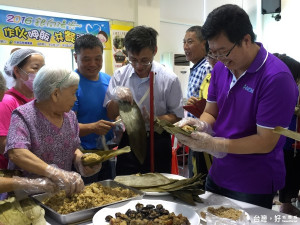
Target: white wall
(283, 36)
(111, 9)
(209, 5)
(172, 17)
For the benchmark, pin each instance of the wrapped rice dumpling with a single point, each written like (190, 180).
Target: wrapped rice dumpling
(161, 125)
(95, 157)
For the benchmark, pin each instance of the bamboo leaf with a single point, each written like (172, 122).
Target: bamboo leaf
(135, 128)
(99, 156)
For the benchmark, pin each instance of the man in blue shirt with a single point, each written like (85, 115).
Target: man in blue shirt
(93, 122)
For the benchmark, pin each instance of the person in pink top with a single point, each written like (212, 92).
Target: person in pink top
(22, 65)
(2, 86)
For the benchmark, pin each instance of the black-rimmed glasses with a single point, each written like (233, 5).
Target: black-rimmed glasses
(142, 63)
(224, 56)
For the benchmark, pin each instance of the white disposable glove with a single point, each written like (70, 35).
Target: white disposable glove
(86, 171)
(199, 125)
(123, 93)
(69, 181)
(203, 142)
(36, 185)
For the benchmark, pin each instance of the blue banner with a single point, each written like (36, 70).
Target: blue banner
(24, 29)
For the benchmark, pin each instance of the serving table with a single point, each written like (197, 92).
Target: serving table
(258, 215)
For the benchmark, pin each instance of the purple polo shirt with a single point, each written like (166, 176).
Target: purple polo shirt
(265, 95)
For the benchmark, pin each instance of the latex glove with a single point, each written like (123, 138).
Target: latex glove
(199, 125)
(118, 131)
(36, 185)
(86, 171)
(123, 93)
(69, 181)
(203, 142)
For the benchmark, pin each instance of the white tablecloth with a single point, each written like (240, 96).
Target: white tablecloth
(258, 215)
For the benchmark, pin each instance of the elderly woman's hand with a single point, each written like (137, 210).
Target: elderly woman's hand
(86, 171)
(36, 185)
(203, 142)
(71, 182)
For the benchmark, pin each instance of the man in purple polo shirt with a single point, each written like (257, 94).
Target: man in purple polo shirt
(251, 92)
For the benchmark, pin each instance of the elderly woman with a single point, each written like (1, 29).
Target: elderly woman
(8, 184)
(43, 137)
(22, 65)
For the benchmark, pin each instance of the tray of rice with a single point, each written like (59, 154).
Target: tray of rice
(84, 205)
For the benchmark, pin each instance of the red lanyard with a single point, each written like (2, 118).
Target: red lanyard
(151, 123)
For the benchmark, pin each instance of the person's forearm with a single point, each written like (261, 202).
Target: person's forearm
(2, 144)
(112, 109)
(26, 160)
(254, 144)
(77, 154)
(172, 118)
(7, 184)
(208, 118)
(85, 129)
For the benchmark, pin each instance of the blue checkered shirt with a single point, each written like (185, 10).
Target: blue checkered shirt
(197, 75)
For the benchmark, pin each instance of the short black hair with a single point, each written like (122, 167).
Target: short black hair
(140, 37)
(104, 34)
(87, 41)
(292, 64)
(230, 19)
(197, 30)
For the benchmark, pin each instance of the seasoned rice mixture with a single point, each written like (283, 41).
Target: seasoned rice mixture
(93, 195)
(229, 213)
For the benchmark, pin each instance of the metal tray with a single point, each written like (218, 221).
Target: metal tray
(87, 213)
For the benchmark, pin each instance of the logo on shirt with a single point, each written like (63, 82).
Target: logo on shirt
(249, 89)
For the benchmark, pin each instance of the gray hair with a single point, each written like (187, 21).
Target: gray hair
(2, 83)
(49, 78)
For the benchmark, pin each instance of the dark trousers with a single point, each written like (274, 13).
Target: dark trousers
(263, 200)
(128, 163)
(292, 178)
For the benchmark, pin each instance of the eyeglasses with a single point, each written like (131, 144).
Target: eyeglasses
(142, 63)
(220, 57)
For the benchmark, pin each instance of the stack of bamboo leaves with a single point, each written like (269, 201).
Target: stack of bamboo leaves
(25, 212)
(187, 190)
